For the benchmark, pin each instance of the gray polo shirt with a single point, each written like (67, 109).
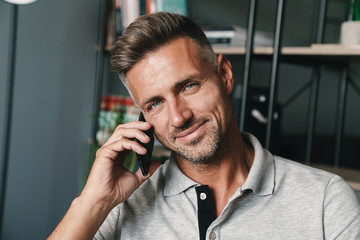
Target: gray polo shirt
(280, 199)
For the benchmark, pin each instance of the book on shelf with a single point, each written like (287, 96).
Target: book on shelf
(131, 9)
(235, 36)
(174, 6)
(110, 30)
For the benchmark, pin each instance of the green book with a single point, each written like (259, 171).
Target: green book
(174, 6)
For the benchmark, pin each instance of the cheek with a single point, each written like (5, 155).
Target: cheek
(211, 100)
(217, 105)
(160, 124)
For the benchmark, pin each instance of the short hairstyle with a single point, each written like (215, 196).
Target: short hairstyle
(150, 32)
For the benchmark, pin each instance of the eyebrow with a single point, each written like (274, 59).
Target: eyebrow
(182, 82)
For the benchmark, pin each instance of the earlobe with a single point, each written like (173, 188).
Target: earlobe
(225, 73)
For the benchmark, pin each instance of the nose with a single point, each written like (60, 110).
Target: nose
(179, 112)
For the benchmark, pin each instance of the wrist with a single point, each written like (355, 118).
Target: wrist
(93, 206)
(82, 220)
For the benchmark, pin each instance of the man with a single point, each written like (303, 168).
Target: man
(219, 183)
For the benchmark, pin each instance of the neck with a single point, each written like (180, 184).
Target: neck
(228, 172)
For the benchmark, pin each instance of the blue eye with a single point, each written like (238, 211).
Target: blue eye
(190, 86)
(154, 105)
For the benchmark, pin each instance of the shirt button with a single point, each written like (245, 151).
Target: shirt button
(202, 196)
(212, 236)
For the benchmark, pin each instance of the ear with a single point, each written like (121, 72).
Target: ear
(225, 73)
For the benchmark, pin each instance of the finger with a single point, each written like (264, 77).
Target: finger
(128, 133)
(137, 124)
(112, 150)
(128, 144)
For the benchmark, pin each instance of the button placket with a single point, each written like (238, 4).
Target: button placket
(206, 210)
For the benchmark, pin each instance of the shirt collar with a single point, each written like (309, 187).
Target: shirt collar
(175, 180)
(261, 178)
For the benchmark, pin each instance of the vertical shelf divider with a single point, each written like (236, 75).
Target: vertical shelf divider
(248, 56)
(274, 69)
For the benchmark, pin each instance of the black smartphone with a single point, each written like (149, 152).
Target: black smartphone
(144, 160)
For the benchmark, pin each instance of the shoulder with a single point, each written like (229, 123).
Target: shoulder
(301, 174)
(294, 180)
(319, 195)
(312, 183)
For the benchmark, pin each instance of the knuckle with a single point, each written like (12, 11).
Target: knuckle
(98, 152)
(118, 127)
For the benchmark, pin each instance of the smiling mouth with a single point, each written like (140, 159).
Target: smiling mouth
(191, 133)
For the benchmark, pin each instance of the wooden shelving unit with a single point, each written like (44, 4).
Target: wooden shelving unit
(329, 51)
(314, 50)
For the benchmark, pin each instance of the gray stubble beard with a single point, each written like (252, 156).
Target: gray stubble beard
(210, 156)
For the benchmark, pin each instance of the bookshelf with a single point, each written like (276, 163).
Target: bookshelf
(315, 55)
(321, 53)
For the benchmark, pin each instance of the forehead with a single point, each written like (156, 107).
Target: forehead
(180, 51)
(171, 63)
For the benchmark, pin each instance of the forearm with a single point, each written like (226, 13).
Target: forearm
(108, 184)
(82, 220)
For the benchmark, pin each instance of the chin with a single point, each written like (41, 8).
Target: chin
(198, 158)
(203, 151)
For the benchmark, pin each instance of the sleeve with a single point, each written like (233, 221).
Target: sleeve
(110, 229)
(341, 211)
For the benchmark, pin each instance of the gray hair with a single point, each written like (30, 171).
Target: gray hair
(150, 32)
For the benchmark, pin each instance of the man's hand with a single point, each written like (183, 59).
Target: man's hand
(108, 184)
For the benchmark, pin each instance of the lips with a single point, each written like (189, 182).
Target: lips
(191, 133)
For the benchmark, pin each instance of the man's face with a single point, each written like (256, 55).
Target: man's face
(183, 99)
